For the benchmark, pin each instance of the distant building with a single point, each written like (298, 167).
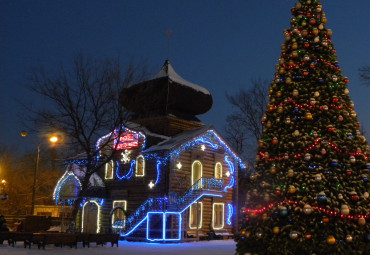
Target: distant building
(171, 178)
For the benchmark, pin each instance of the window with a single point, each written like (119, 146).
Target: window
(118, 216)
(196, 215)
(109, 167)
(218, 170)
(218, 216)
(140, 166)
(196, 173)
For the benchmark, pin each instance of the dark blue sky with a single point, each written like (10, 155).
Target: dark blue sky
(218, 44)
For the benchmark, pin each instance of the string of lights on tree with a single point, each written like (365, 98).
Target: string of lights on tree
(310, 187)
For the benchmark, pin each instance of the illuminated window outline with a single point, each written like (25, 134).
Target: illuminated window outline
(137, 164)
(192, 171)
(213, 216)
(97, 217)
(124, 207)
(110, 163)
(201, 215)
(164, 214)
(218, 164)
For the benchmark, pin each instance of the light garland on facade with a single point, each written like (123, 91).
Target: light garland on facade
(158, 171)
(164, 219)
(129, 174)
(232, 170)
(214, 216)
(67, 175)
(230, 211)
(97, 218)
(200, 218)
(142, 165)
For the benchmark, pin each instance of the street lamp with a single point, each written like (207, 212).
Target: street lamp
(52, 139)
(3, 195)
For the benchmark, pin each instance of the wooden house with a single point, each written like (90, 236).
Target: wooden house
(171, 177)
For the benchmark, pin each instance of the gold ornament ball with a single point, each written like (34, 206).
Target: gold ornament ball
(290, 173)
(330, 240)
(276, 230)
(344, 210)
(292, 189)
(361, 221)
(307, 209)
(265, 216)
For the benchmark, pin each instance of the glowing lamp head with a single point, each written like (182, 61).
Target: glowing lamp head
(53, 139)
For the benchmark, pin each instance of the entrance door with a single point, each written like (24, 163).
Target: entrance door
(90, 217)
(196, 174)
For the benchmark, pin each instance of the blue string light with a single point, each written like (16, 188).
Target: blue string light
(158, 171)
(129, 174)
(62, 181)
(229, 213)
(232, 170)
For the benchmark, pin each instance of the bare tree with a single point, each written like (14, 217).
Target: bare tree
(365, 75)
(82, 103)
(243, 126)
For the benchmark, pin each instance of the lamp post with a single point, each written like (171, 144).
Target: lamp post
(35, 179)
(53, 139)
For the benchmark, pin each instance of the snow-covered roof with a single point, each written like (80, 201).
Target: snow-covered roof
(141, 128)
(168, 71)
(179, 139)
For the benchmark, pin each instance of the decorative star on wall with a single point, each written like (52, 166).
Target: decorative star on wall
(125, 157)
(179, 165)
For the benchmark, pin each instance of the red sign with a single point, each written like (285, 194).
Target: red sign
(127, 140)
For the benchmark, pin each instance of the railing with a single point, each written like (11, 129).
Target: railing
(203, 184)
(152, 204)
(161, 204)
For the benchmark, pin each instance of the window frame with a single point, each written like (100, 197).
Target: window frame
(124, 207)
(111, 163)
(143, 165)
(214, 216)
(218, 163)
(192, 171)
(201, 216)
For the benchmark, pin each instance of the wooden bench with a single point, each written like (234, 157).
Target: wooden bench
(222, 234)
(59, 239)
(99, 239)
(25, 237)
(4, 236)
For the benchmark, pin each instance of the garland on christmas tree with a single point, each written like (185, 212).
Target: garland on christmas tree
(309, 193)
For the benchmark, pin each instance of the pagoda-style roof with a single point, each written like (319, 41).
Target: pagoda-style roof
(167, 93)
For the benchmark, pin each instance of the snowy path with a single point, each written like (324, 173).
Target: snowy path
(223, 247)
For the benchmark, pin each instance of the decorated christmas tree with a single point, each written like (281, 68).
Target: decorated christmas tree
(309, 193)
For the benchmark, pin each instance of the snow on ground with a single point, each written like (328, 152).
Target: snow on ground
(217, 247)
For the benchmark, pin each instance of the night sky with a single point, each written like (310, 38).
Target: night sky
(218, 44)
